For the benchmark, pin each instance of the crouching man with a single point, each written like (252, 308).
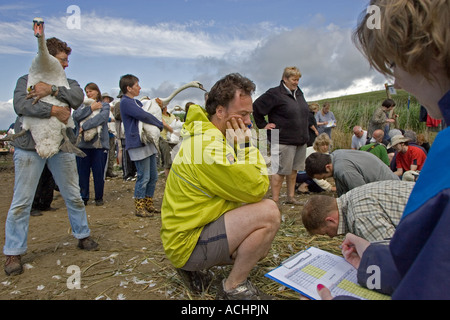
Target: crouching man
(213, 212)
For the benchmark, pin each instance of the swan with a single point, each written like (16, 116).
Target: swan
(151, 133)
(47, 133)
(90, 134)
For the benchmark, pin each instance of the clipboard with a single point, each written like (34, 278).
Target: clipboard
(306, 269)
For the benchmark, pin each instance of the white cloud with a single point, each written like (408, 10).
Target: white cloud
(113, 36)
(330, 63)
(8, 114)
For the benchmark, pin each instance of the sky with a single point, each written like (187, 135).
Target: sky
(169, 43)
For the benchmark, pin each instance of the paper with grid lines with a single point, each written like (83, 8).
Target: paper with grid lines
(304, 271)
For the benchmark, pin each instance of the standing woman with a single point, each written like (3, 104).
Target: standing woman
(96, 150)
(312, 124)
(143, 155)
(324, 117)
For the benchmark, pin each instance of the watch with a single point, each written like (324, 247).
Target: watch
(54, 90)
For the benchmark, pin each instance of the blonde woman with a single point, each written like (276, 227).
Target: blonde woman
(306, 184)
(413, 46)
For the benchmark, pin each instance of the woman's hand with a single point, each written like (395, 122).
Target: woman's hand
(96, 106)
(324, 292)
(270, 126)
(353, 248)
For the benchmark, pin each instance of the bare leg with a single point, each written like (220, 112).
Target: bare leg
(276, 183)
(250, 231)
(290, 182)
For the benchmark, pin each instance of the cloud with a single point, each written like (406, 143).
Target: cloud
(8, 114)
(120, 37)
(329, 62)
(205, 51)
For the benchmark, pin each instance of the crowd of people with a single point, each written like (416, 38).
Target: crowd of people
(388, 186)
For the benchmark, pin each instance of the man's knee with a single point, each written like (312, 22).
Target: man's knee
(272, 212)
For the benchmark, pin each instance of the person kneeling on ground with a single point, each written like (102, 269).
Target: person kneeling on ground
(371, 211)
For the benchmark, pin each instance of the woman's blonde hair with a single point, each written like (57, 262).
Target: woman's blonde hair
(412, 33)
(314, 107)
(322, 140)
(291, 72)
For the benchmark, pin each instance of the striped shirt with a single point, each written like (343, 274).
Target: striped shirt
(374, 210)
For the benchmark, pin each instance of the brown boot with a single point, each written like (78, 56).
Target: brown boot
(140, 205)
(13, 266)
(149, 205)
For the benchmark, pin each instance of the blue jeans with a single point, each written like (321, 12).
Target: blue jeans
(96, 160)
(147, 176)
(28, 168)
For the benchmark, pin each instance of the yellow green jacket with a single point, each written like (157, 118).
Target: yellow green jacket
(208, 178)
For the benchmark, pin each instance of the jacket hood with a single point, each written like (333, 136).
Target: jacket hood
(197, 123)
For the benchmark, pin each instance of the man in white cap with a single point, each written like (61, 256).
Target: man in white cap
(409, 158)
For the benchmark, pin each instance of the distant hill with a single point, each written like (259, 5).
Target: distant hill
(401, 98)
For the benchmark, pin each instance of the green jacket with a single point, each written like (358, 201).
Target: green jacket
(208, 178)
(377, 149)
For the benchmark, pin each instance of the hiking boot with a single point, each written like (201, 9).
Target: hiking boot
(149, 205)
(244, 291)
(87, 244)
(196, 281)
(99, 202)
(13, 266)
(140, 208)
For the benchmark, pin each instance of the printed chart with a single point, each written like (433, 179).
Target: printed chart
(304, 271)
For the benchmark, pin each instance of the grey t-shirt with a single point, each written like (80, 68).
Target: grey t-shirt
(354, 168)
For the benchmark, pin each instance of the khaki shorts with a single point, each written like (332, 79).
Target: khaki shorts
(212, 248)
(288, 159)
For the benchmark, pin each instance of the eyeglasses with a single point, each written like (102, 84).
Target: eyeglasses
(65, 60)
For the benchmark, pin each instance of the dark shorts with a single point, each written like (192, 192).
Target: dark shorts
(211, 249)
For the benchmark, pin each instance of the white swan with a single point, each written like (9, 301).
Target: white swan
(90, 134)
(48, 133)
(151, 133)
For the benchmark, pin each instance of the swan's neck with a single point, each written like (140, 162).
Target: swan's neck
(167, 100)
(43, 53)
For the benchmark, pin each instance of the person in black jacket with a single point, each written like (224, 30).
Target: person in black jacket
(287, 113)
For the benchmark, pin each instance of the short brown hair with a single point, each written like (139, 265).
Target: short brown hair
(126, 81)
(315, 210)
(316, 163)
(224, 91)
(55, 46)
(388, 103)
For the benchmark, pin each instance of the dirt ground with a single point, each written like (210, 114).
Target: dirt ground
(129, 265)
